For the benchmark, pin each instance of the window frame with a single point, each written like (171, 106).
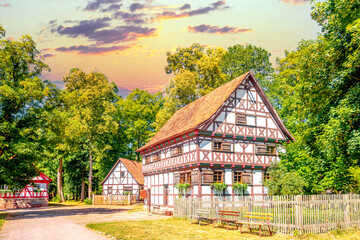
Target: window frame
(216, 174)
(235, 176)
(216, 149)
(177, 152)
(267, 153)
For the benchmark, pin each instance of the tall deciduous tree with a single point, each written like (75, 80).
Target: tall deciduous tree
(317, 90)
(22, 97)
(92, 98)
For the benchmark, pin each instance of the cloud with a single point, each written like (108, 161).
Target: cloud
(85, 27)
(48, 55)
(112, 7)
(172, 14)
(94, 50)
(295, 2)
(123, 92)
(135, 18)
(135, 6)
(95, 5)
(185, 6)
(204, 28)
(96, 30)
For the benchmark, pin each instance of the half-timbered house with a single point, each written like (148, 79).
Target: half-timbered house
(34, 194)
(230, 135)
(125, 177)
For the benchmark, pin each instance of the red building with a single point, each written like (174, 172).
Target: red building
(230, 135)
(33, 195)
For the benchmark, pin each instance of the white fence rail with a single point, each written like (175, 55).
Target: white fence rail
(292, 214)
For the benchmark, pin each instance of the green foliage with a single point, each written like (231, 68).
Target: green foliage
(240, 59)
(88, 201)
(23, 97)
(317, 90)
(283, 182)
(198, 70)
(355, 177)
(219, 186)
(182, 187)
(239, 187)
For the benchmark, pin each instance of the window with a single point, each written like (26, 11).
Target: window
(185, 177)
(176, 151)
(240, 119)
(222, 146)
(250, 120)
(122, 174)
(266, 176)
(127, 189)
(237, 177)
(218, 176)
(147, 159)
(266, 149)
(182, 177)
(156, 157)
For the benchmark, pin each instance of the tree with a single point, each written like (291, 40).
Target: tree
(137, 114)
(22, 99)
(91, 100)
(197, 73)
(317, 90)
(240, 59)
(198, 70)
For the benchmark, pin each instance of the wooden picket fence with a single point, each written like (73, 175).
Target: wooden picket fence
(114, 199)
(297, 215)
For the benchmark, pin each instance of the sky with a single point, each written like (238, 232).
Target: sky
(127, 40)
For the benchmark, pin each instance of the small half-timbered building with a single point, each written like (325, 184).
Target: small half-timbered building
(34, 194)
(233, 134)
(125, 176)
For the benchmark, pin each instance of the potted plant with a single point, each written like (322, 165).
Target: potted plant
(239, 188)
(182, 187)
(219, 187)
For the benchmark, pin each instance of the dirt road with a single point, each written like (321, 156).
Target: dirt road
(60, 223)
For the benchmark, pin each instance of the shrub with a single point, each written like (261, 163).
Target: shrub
(88, 201)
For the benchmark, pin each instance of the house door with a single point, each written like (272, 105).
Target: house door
(166, 192)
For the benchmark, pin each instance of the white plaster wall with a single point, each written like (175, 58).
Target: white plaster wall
(221, 117)
(192, 146)
(186, 147)
(228, 176)
(266, 190)
(261, 121)
(231, 118)
(171, 178)
(195, 189)
(205, 145)
(206, 190)
(257, 190)
(171, 200)
(257, 177)
(249, 148)
(238, 148)
(241, 93)
(161, 179)
(271, 123)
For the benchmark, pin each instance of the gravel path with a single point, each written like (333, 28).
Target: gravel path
(64, 222)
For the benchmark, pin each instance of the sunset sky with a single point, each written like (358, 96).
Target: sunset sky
(128, 40)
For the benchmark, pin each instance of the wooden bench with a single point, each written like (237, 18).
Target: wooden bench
(201, 215)
(254, 215)
(226, 216)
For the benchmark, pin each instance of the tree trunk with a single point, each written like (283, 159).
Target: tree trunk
(59, 181)
(90, 172)
(82, 189)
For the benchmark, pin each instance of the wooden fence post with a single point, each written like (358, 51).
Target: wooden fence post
(93, 199)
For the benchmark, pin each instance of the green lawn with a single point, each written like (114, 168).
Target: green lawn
(67, 203)
(2, 219)
(174, 228)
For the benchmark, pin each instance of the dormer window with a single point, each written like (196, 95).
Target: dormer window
(176, 151)
(156, 157)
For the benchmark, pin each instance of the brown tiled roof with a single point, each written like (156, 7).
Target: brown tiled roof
(192, 115)
(134, 167)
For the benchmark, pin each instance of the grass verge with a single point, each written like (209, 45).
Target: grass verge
(67, 203)
(174, 228)
(2, 219)
(136, 208)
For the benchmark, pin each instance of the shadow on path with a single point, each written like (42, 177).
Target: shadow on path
(60, 212)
